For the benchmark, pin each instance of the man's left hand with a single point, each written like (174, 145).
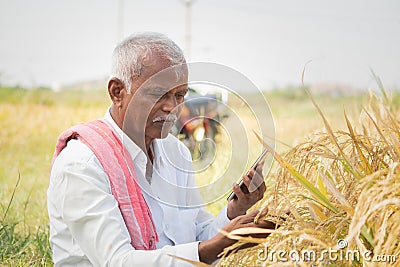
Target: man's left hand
(254, 181)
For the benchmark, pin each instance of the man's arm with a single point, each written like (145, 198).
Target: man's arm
(210, 249)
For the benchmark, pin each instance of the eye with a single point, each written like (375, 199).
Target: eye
(180, 96)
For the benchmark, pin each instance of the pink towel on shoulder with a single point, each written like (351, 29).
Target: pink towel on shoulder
(99, 136)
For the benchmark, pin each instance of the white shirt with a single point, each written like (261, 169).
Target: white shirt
(87, 228)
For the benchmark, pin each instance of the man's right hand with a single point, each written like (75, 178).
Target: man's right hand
(210, 249)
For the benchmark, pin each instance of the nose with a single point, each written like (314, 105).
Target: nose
(170, 103)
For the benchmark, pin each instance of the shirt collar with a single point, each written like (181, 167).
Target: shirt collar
(157, 150)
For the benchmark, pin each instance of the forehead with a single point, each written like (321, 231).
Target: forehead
(167, 77)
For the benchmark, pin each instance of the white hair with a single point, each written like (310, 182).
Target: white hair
(129, 57)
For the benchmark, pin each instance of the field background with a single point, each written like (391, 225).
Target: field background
(31, 120)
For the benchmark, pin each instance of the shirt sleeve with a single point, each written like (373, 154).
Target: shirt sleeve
(208, 226)
(82, 196)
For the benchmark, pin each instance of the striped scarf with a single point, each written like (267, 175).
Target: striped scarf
(117, 163)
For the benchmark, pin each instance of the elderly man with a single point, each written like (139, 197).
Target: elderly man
(110, 199)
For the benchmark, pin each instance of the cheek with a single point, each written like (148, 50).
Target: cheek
(154, 108)
(144, 109)
(136, 116)
(180, 107)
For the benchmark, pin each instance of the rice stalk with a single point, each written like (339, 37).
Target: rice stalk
(358, 173)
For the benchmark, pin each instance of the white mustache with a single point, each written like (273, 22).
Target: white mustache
(167, 118)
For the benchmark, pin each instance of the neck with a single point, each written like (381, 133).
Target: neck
(115, 115)
(148, 142)
(150, 154)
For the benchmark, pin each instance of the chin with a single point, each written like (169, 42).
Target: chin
(163, 135)
(160, 134)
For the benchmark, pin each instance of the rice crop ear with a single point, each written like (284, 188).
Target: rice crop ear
(333, 190)
(299, 177)
(357, 172)
(378, 206)
(395, 142)
(366, 165)
(391, 149)
(321, 186)
(393, 123)
(317, 214)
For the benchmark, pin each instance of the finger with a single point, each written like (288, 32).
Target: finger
(249, 218)
(246, 180)
(259, 169)
(264, 212)
(262, 188)
(250, 173)
(256, 182)
(253, 213)
(263, 224)
(260, 166)
(238, 192)
(261, 214)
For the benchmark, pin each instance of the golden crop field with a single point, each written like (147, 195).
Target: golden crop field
(30, 122)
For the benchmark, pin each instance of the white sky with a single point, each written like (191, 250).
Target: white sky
(50, 42)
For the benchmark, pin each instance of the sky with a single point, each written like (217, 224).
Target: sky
(59, 42)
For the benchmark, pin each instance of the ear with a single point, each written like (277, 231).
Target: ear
(116, 90)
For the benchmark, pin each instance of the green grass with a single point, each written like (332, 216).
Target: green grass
(21, 244)
(31, 120)
(30, 123)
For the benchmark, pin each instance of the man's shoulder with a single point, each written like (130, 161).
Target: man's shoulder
(75, 151)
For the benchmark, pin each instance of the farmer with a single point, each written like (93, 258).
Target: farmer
(117, 185)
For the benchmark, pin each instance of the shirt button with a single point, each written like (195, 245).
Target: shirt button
(151, 243)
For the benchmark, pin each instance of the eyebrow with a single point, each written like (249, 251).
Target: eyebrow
(183, 90)
(158, 90)
(161, 90)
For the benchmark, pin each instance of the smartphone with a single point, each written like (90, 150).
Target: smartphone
(243, 187)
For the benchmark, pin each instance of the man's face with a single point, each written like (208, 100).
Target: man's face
(155, 104)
